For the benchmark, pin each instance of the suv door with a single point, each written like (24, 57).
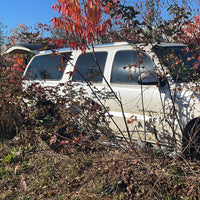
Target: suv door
(142, 103)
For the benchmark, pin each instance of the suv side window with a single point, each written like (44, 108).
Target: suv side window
(129, 64)
(87, 66)
(47, 67)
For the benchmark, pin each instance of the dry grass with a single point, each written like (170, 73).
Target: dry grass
(93, 171)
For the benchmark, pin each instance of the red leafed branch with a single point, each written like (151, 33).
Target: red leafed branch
(190, 34)
(83, 20)
(192, 30)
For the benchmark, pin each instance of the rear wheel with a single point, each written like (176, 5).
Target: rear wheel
(191, 137)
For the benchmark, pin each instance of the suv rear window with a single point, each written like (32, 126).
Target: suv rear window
(88, 69)
(128, 65)
(47, 67)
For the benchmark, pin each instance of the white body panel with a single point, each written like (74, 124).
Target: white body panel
(141, 103)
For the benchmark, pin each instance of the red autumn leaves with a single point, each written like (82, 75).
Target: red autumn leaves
(82, 20)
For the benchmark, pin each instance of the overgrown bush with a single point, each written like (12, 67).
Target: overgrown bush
(63, 114)
(60, 115)
(11, 103)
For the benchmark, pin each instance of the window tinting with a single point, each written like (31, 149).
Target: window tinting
(128, 65)
(47, 67)
(88, 68)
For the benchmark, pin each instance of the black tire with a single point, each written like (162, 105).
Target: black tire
(191, 138)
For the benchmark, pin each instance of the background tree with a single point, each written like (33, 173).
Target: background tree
(107, 21)
(2, 36)
(23, 34)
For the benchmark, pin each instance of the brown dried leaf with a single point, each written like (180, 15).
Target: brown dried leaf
(53, 140)
(23, 185)
(16, 168)
(157, 143)
(131, 120)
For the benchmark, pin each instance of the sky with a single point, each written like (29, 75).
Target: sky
(28, 12)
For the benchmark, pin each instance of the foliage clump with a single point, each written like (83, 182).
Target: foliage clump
(11, 103)
(94, 171)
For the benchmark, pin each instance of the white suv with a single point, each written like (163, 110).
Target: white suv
(159, 103)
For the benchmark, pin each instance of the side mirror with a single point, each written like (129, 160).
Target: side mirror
(150, 78)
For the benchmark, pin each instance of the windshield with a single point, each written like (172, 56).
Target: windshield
(180, 64)
(47, 67)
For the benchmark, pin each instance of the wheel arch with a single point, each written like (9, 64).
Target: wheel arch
(191, 136)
